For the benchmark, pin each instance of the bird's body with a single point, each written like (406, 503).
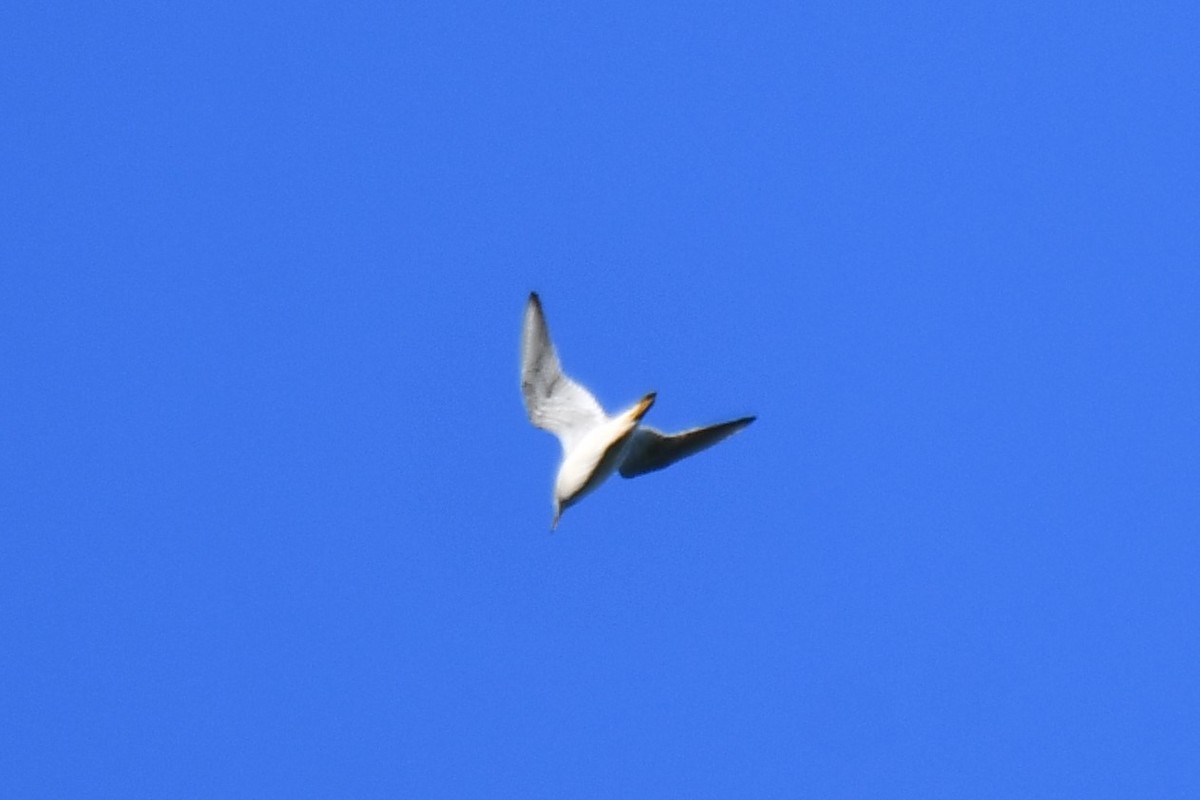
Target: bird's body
(595, 445)
(597, 455)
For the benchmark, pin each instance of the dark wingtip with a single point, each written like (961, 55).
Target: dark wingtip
(643, 405)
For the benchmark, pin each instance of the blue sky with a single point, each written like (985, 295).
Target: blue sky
(275, 523)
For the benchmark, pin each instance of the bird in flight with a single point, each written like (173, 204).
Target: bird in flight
(594, 444)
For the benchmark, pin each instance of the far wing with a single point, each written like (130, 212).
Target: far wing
(555, 402)
(651, 450)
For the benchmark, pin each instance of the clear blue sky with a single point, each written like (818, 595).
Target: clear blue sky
(274, 523)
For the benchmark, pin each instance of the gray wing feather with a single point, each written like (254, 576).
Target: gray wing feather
(555, 402)
(651, 450)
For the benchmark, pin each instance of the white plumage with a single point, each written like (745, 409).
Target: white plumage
(595, 444)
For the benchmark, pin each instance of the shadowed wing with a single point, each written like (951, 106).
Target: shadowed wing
(651, 450)
(555, 402)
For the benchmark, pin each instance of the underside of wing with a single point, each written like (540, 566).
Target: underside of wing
(651, 450)
(555, 402)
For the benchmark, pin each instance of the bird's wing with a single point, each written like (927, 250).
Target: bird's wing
(555, 402)
(651, 450)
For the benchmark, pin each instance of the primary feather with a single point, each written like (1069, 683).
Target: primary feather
(650, 450)
(555, 402)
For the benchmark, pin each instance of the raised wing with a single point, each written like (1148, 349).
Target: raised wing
(555, 402)
(651, 450)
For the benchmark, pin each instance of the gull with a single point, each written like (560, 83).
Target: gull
(595, 444)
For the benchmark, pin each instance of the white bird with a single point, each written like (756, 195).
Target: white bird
(595, 444)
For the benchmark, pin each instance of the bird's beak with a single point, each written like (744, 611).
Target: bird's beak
(554, 522)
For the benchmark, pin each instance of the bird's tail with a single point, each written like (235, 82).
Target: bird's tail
(643, 406)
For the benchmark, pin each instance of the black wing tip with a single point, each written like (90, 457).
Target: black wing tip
(535, 304)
